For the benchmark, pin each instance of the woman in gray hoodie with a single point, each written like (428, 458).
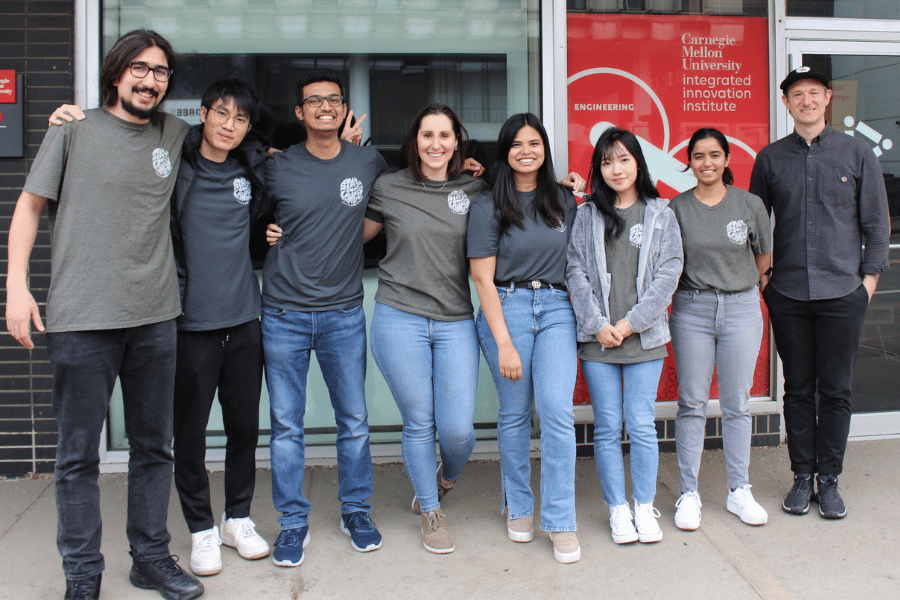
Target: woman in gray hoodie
(624, 263)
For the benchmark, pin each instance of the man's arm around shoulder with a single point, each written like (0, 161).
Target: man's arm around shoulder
(21, 309)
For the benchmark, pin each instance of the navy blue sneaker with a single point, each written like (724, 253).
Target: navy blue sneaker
(797, 500)
(364, 537)
(831, 505)
(289, 547)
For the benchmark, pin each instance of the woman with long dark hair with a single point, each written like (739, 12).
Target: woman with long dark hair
(517, 240)
(624, 262)
(717, 321)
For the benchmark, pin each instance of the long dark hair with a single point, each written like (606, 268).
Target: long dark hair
(125, 50)
(455, 166)
(707, 133)
(603, 196)
(546, 202)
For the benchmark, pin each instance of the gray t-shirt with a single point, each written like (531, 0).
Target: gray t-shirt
(720, 241)
(221, 289)
(533, 252)
(622, 254)
(319, 205)
(425, 271)
(109, 182)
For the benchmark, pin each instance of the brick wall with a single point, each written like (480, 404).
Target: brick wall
(36, 38)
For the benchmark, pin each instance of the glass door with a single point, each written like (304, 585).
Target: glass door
(866, 104)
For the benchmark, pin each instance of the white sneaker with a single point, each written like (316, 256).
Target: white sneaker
(621, 525)
(206, 558)
(241, 535)
(741, 502)
(687, 515)
(645, 517)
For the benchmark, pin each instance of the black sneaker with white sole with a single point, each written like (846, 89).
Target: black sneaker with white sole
(797, 500)
(831, 505)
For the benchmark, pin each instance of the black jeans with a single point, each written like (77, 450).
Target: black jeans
(230, 359)
(85, 367)
(818, 341)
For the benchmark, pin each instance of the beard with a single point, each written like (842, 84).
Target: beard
(140, 113)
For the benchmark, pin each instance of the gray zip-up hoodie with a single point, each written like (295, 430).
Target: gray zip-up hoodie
(660, 261)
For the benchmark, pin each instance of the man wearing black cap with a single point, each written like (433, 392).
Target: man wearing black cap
(827, 192)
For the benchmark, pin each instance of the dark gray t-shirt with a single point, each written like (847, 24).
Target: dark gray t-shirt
(534, 252)
(319, 205)
(425, 271)
(720, 241)
(622, 255)
(221, 289)
(109, 182)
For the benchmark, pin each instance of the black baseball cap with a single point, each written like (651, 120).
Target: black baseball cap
(803, 73)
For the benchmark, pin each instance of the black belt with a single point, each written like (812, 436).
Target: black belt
(532, 285)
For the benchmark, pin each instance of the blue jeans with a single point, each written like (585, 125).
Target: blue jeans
(605, 383)
(432, 369)
(85, 367)
(339, 339)
(715, 329)
(541, 324)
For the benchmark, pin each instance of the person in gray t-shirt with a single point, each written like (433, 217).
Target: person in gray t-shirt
(716, 321)
(217, 196)
(106, 181)
(312, 300)
(423, 335)
(517, 238)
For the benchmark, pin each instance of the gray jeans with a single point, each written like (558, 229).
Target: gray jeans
(715, 329)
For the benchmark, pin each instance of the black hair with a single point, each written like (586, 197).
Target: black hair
(603, 196)
(315, 76)
(241, 92)
(455, 166)
(546, 202)
(125, 50)
(706, 133)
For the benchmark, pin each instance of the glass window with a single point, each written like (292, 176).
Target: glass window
(747, 8)
(844, 9)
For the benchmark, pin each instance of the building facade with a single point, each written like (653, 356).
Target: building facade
(661, 68)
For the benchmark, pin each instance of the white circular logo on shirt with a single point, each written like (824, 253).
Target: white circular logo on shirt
(351, 191)
(737, 231)
(636, 235)
(242, 190)
(161, 163)
(458, 202)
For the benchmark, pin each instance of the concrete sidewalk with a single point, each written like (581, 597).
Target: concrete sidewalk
(790, 557)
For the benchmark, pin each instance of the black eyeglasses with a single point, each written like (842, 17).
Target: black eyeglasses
(140, 70)
(317, 101)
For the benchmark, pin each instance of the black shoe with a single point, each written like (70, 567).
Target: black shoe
(166, 577)
(797, 500)
(83, 589)
(831, 505)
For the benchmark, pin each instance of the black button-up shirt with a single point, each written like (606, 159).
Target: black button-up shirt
(828, 199)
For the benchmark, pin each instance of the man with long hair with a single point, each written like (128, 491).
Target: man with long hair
(106, 181)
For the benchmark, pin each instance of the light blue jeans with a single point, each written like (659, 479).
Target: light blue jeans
(339, 339)
(432, 369)
(605, 383)
(541, 324)
(715, 329)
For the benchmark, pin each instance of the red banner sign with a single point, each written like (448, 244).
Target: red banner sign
(7, 86)
(663, 77)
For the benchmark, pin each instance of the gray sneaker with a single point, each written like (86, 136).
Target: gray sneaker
(831, 505)
(797, 500)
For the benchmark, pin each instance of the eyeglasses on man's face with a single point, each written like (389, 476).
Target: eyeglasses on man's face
(140, 70)
(220, 115)
(317, 101)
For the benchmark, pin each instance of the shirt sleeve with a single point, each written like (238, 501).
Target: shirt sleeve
(483, 236)
(375, 207)
(48, 167)
(874, 219)
(759, 185)
(761, 235)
